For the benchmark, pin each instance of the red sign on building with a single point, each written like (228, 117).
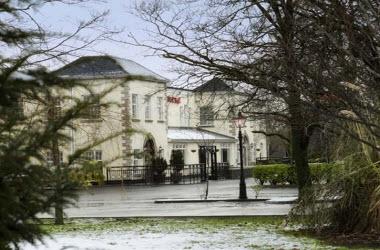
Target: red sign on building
(174, 99)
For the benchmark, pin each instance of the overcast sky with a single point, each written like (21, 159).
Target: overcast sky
(64, 18)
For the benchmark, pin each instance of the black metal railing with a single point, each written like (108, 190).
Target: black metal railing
(177, 174)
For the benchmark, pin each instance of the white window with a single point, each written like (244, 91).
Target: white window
(98, 155)
(18, 108)
(160, 109)
(136, 157)
(49, 157)
(93, 155)
(93, 110)
(148, 115)
(135, 106)
(206, 116)
(185, 116)
(55, 108)
(181, 116)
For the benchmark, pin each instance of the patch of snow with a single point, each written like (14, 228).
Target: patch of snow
(22, 76)
(196, 135)
(283, 200)
(136, 69)
(220, 238)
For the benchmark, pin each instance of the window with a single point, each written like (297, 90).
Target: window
(93, 155)
(148, 115)
(179, 146)
(225, 153)
(160, 109)
(135, 106)
(98, 155)
(181, 116)
(136, 157)
(19, 108)
(206, 116)
(49, 157)
(93, 111)
(185, 116)
(55, 108)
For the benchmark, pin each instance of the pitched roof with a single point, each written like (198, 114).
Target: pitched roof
(180, 134)
(215, 84)
(107, 66)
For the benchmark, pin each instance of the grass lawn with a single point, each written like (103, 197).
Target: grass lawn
(177, 233)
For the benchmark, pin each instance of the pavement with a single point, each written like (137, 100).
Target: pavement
(139, 201)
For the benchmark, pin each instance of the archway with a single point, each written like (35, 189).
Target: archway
(149, 150)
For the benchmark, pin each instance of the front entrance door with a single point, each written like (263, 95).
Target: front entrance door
(207, 156)
(149, 152)
(225, 155)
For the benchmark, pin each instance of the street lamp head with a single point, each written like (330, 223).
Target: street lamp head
(240, 120)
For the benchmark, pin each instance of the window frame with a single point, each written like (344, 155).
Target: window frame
(92, 155)
(148, 108)
(49, 157)
(93, 111)
(206, 118)
(160, 108)
(135, 106)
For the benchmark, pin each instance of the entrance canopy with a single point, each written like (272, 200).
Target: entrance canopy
(196, 135)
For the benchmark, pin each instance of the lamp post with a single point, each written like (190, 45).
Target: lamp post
(239, 123)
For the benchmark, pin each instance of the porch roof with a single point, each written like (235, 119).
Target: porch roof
(180, 134)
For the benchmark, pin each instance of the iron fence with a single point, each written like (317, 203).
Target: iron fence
(177, 174)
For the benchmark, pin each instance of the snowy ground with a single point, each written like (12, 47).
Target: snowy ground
(177, 234)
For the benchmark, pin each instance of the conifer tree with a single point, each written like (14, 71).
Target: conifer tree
(29, 127)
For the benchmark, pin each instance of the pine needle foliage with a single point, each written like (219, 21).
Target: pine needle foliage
(31, 125)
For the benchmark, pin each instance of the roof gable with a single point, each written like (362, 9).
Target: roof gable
(107, 66)
(215, 84)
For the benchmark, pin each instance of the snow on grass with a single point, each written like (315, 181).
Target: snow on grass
(172, 234)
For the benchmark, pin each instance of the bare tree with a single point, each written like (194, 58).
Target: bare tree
(297, 76)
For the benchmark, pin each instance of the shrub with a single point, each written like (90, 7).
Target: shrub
(159, 166)
(274, 174)
(89, 173)
(352, 199)
(321, 172)
(285, 174)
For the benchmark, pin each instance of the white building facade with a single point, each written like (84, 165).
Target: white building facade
(163, 118)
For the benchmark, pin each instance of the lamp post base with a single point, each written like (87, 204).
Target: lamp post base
(243, 191)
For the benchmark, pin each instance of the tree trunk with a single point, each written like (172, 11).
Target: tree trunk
(299, 155)
(58, 208)
(58, 218)
(58, 212)
(299, 142)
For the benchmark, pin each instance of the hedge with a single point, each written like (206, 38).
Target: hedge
(285, 174)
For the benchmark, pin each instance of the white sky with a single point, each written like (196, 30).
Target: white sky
(64, 18)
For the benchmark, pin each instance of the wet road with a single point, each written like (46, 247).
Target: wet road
(138, 201)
